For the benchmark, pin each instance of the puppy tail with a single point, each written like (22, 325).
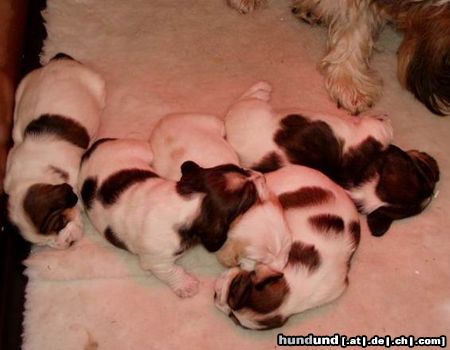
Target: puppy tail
(424, 58)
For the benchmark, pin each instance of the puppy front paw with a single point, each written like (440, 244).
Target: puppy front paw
(261, 90)
(245, 6)
(69, 234)
(188, 286)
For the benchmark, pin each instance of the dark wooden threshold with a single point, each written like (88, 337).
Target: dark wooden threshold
(13, 249)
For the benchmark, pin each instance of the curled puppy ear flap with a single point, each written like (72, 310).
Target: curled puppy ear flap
(379, 222)
(191, 180)
(45, 205)
(189, 167)
(239, 291)
(427, 166)
(266, 276)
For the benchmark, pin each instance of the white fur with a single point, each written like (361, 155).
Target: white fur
(306, 289)
(259, 235)
(146, 215)
(63, 87)
(251, 123)
(196, 137)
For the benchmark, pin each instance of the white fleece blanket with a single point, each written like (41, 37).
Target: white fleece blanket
(165, 56)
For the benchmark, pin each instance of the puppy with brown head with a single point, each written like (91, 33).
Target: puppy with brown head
(354, 152)
(159, 219)
(56, 116)
(258, 235)
(326, 232)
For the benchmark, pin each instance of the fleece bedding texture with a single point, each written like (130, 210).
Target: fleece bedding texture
(167, 56)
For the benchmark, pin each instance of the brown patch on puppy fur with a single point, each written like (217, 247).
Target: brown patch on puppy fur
(88, 191)
(355, 231)
(46, 206)
(113, 239)
(117, 183)
(309, 143)
(327, 223)
(305, 197)
(221, 204)
(355, 162)
(64, 128)
(94, 146)
(305, 255)
(64, 175)
(261, 293)
(270, 162)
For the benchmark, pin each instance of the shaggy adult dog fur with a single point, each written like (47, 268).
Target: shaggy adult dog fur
(353, 26)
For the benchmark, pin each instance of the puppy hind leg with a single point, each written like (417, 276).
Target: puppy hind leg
(181, 282)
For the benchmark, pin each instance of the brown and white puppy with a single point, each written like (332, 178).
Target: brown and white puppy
(353, 27)
(156, 218)
(326, 232)
(258, 235)
(56, 116)
(385, 182)
(177, 138)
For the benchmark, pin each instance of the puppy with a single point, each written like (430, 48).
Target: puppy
(353, 27)
(56, 116)
(258, 235)
(177, 138)
(326, 232)
(158, 219)
(385, 182)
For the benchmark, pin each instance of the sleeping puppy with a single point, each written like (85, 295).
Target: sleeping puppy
(198, 137)
(56, 116)
(261, 233)
(385, 182)
(326, 232)
(156, 218)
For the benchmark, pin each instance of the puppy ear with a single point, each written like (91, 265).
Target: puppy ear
(379, 222)
(191, 180)
(45, 205)
(239, 291)
(188, 167)
(426, 165)
(215, 237)
(266, 276)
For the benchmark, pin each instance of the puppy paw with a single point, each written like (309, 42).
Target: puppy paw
(262, 90)
(188, 287)
(69, 234)
(352, 90)
(245, 6)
